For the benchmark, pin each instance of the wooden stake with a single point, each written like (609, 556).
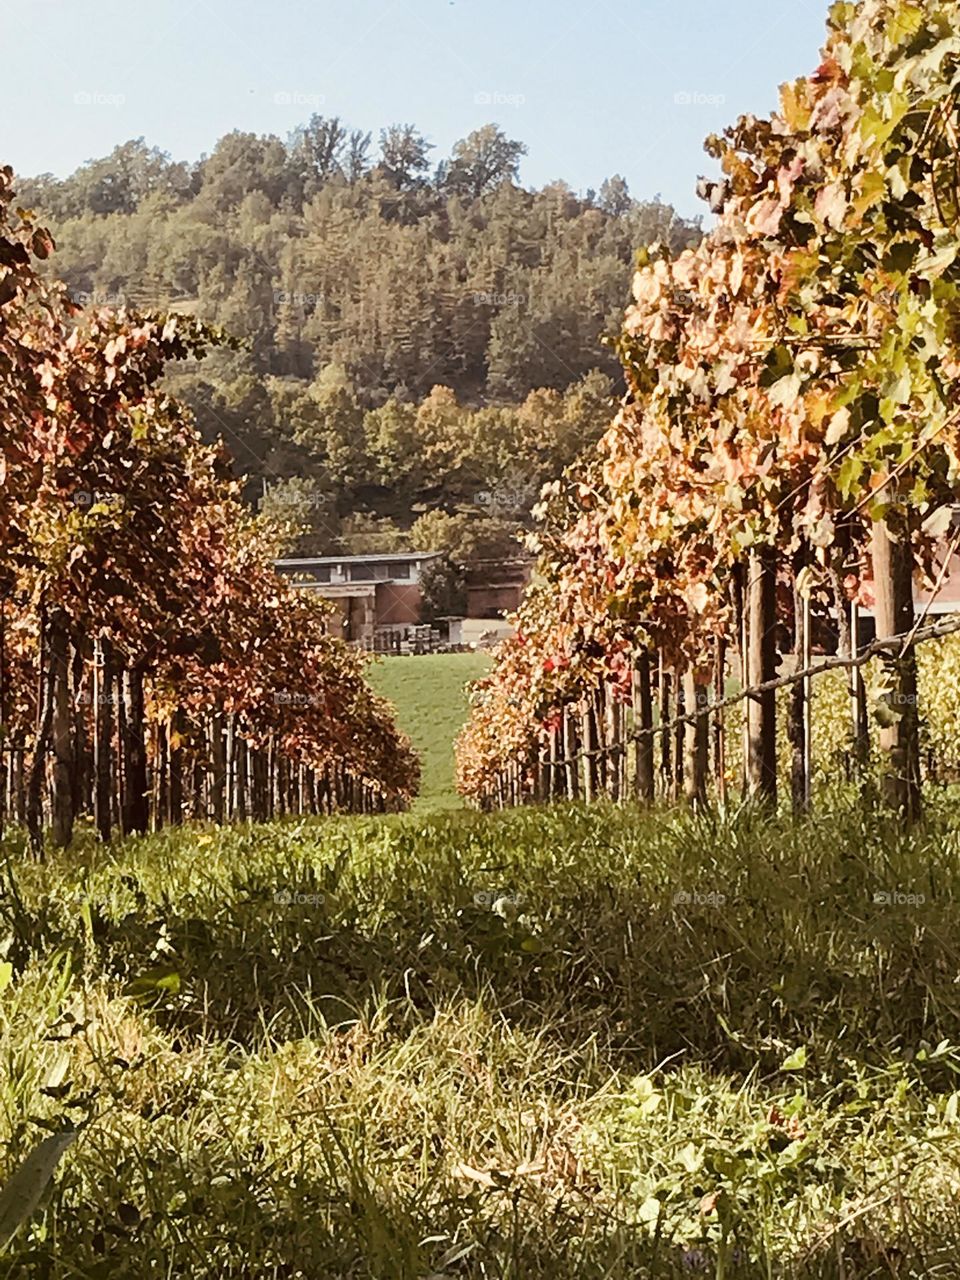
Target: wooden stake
(696, 735)
(643, 720)
(899, 734)
(761, 611)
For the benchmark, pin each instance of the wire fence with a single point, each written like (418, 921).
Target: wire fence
(652, 745)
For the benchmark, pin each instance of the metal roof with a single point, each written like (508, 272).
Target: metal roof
(393, 557)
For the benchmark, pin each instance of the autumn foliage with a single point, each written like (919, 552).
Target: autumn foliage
(149, 652)
(792, 385)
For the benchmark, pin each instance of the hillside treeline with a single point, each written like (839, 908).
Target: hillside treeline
(361, 275)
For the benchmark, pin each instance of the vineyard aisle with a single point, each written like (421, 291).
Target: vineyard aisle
(430, 695)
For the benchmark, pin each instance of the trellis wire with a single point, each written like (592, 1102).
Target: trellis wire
(905, 642)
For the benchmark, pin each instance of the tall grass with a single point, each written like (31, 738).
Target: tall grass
(562, 1042)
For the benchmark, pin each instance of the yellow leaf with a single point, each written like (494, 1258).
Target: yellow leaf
(794, 107)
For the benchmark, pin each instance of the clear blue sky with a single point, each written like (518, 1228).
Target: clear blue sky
(591, 88)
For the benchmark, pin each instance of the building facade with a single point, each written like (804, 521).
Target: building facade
(378, 601)
(372, 595)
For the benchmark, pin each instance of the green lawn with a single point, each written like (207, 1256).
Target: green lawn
(429, 693)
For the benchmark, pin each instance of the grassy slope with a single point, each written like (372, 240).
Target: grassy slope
(503, 1046)
(429, 694)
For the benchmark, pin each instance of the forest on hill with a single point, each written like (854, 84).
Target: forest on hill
(419, 340)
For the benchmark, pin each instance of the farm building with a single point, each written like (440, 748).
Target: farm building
(379, 603)
(372, 594)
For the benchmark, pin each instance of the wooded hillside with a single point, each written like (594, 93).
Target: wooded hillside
(360, 277)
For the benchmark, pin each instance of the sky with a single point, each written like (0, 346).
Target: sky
(592, 88)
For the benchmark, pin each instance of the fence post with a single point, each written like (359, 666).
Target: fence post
(542, 775)
(557, 772)
(614, 744)
(570, 749)
(643, 723)
(159, 780)
(601, 763)
(761, 713)
(666, 762)
(176, 731)
(899, 734)
(719, 739)
(588, 737)
(797, 716)
(696, 734)
(858, 694)
(676, 782)
(134, 750)
(61, 737)
(102, 735)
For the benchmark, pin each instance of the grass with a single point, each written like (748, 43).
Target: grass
(429, 694)
(565, 1043)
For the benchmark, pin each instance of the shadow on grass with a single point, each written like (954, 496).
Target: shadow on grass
(734, 942)
(227, 1216)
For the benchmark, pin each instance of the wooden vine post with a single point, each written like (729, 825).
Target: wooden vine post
(666, 758)
(62, 789)
(761, 666)
(589, 739)
(643, 727)
(719, 728)
(899, 732)
(676, 782)
(798, 721)
(136, 801)
(858, 696)
(696, 736)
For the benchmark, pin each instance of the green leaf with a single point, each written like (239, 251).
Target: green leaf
(848, 477)
(155, 982)
(796, 1061)
(885, 715)
(904, 23)
(643, 1087)
(21, 1195)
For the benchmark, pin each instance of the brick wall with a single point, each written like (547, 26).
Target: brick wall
(493, 601)
(398, 604)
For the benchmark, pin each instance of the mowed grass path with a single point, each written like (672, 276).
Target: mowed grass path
(430, 694)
